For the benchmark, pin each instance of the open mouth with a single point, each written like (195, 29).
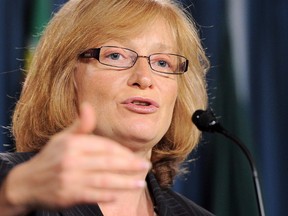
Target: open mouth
(141, 103)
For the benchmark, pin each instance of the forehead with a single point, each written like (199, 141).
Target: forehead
(157, 34)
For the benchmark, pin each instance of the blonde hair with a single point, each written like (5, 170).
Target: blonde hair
(48, 101)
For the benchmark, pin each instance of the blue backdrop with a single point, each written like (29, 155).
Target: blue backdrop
(247, 44)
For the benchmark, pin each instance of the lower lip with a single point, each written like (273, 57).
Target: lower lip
(141, 109)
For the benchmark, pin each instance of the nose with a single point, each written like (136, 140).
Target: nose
(141, 74)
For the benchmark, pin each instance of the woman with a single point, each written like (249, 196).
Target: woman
(107, 104)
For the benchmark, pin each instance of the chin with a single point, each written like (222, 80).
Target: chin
(139, 146)
(140, 141)
(146, 132)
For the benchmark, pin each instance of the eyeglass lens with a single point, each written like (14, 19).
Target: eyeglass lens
(126, 58)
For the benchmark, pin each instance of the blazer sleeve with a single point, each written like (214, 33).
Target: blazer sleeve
(5, 167)
(10, 160)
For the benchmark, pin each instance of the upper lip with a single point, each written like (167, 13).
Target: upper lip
(141, 99)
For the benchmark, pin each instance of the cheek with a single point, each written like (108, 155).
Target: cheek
(169, 95)
(89, 85)
(92, 91)
(84, 89)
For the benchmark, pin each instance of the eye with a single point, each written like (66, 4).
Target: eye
(114, 56)
(162, 63)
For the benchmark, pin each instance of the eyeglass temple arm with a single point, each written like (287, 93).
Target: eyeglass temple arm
(91, 53)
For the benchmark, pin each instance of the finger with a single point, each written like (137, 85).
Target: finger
(86, 122)
(98, 187)
(114, 181)
(112, 163)
(94, 145)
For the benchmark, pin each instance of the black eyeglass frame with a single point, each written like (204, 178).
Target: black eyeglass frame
(95, 53)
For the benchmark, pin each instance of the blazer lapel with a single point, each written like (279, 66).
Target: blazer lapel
(81, 210)
(161, 206)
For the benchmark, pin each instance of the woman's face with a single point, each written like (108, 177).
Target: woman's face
(133, 106)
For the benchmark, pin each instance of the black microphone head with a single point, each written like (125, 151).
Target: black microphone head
(206, 121)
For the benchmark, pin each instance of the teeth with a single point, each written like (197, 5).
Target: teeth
(141, 103)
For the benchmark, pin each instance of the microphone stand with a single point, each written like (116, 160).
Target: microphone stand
(206, 121)
(248, 155)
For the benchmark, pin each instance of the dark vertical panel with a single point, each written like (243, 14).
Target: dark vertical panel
(13, 17)
(268, 48)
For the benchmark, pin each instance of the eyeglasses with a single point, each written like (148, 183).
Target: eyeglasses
(119, 57)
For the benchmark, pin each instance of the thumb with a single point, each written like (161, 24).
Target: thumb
(86, 121)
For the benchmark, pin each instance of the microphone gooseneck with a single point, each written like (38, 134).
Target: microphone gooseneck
(206, 121)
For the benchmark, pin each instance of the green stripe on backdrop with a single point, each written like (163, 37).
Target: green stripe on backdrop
(41, 14)
(233, 186)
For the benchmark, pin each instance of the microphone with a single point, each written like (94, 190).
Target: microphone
(206, 121)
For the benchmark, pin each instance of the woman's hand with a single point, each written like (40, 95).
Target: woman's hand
(76, 167)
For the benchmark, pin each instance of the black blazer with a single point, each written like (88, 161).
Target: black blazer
(166, 201)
